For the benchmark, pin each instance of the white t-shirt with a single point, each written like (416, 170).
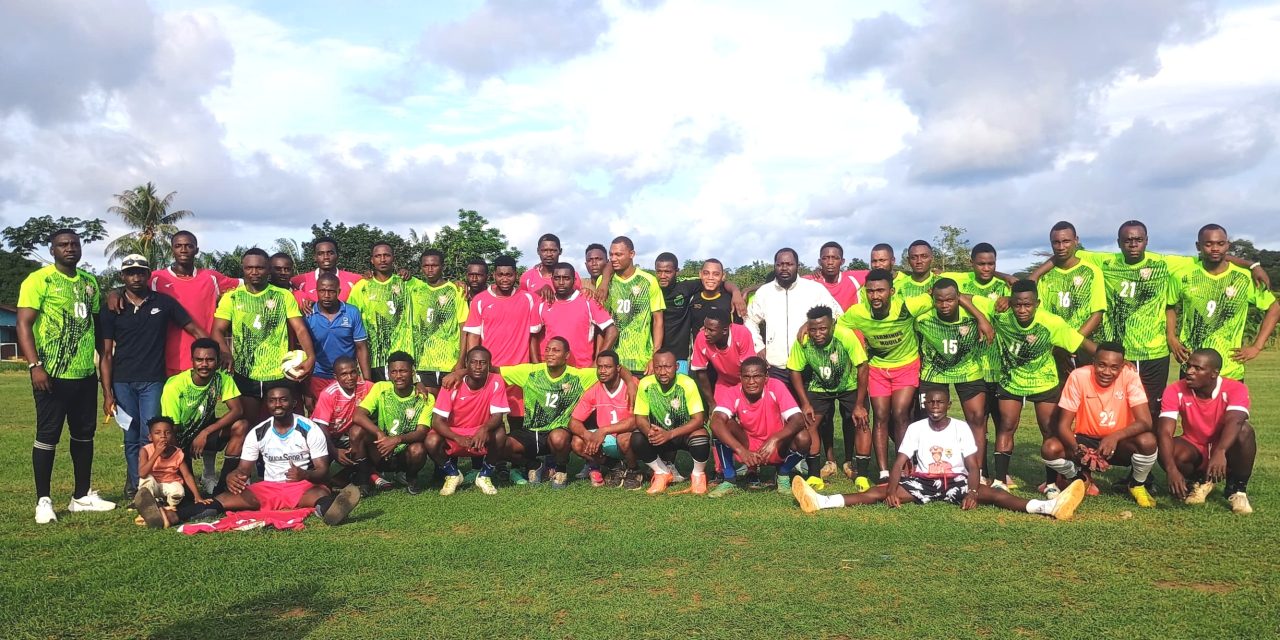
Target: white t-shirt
(297, 447)
(939, 452)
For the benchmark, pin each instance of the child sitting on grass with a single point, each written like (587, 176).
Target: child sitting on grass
(164, 477)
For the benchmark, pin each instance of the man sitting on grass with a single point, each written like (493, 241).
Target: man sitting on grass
(335, 410)
(602, 422)
(467, 421)
(386, 435)
(669, 417)
(945, 456)
(1105, 420)
(760, 422)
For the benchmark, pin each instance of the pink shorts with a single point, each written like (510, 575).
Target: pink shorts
(515, 400)
(317, 385)
(881, 383)
(455, 450)
(274, 496)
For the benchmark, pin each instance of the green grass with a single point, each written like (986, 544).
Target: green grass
(605, 563)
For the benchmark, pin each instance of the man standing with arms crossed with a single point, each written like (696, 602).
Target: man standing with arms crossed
(383, 302)
(635, 301)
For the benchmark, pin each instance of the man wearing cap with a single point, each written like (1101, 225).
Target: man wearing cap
(133, 358)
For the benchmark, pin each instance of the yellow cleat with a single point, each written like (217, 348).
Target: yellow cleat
(804, 494)
(861, 484)
(1142, 497)
(1064, 506)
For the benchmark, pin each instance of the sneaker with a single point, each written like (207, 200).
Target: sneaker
(829, 469)
(412, 488)
(1091, 489)
(538, 475)
(784, 482)
(698, 483)
(849, 471)
(341, 507)
(723, 489)
(804, 494)
(1064, 505)
(1049, 489)
(44, 511)
(559, 480)
(597, 478)
(485, 485)
(616, 477)
(517, 478)
(996, 484)
(1199, 492)
(1141, 496)
(754, 483)
(584, 473)
(633, 481)
(451, 484)
(149, 510)
(659, 483)
(1240, 503)
(90, 502)
(380, 483)
(860, 484)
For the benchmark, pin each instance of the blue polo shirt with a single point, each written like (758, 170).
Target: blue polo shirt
(335, 338)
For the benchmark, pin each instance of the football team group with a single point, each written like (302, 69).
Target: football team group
(323, 388)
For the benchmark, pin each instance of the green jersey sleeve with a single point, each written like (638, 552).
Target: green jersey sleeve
(642, 395)
(1062, 335)
(795, 361)
(918, 304)
(518, 374)
(852, 345)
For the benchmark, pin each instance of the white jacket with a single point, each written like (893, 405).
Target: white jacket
(783, 311)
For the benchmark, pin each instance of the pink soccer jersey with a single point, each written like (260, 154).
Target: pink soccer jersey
(845, 290)
(304, 284)
(726, 361)
(760, 419)
(610, 408)
(575, 320)
(468, 409)
(1202, 419)
(198, 295)
(335, 409)
(504, 325)
(533, 281)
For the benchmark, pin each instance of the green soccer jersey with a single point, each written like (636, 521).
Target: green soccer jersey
(952, 352)
(437, 315)
(548, 401)
(906, 286)
(384, 307)
(193, 407)
(259, 329)
(395, 414)
(831, 368)
(1213, 311)
(1137, 295)
(1073, 294)
(1026, 353)
(891, 341)
(64, 325)
(992, 290)
(672, 408)
(632, 303)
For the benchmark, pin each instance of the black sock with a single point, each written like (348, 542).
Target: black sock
(1002, 465)
(1050, 476)
(82, 463)
(322, 505)
(862, 464)
(42, 463)
(1235, 484)
(229, 464)
(188, 509)
(813, 465)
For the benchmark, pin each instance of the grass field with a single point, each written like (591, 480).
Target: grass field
(606, 563)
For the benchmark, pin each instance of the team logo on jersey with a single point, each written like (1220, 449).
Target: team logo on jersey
(963, 331)
(675, 403)
(443, 298)
(635, 289)
(90, 289)
(834, 357)
(1144, 273)
(409, 411)
(395, 289)
(1119, 395)
(1031, 338)
(1077, 281)
(1230, 291)
(566, 387)
(271, 304)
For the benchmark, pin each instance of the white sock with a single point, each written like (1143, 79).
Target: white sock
(1141, 465)
(700, 468)
(884, 474)
(659, 466)
(831, 501)
(1043, 507)
(1066, 467)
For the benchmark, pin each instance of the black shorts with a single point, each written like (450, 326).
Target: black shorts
(432, 378)
(379, 374)
(74, 401)
(966, 391)
(1155, 377)
(825, 404)
(1088, 441)
(926, 490)
(215, 442)
(258, 388)
(1050, 395)
(535, 443)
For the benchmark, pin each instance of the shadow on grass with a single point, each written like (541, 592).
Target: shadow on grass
(290, 612)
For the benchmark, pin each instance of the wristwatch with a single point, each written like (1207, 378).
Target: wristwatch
(33, 365)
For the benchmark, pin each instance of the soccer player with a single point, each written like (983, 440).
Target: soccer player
(780, 309)
(718, 352)
(602, 422)
(841, 284)
(336, 404)
(575, 316)
(1026, 336)
(596, 260)
(281, 275)
(467, 420)
(887, 321)
(325, 253)
(984, 281)
(711, 300)
(829, 373)
(252, 324)
(952, 353)
(1103, 415)
(538, 279)
(669, 417)
(678, 296)
(921, 278)
(477, 278)
(1217, 439)
(760, 422)
(295, 459)
(57, 305)
(1073, 290)
(505, 321)
(385, 433)
(132, 362)
(635, 301)
(439, 309)
(1211, 307)
(383, 301)
(190, 399)
(551, 390)
(337, 331)
(943, 456)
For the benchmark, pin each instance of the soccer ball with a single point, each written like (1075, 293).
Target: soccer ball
(291, 365)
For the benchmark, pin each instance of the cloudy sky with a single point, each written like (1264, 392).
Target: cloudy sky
(725, 128)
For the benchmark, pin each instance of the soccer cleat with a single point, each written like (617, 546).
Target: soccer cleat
(1009, 483)
(698, 483)
(633, 481)
(44, 511)
(861, 484)
(1240, 503)
(723, 489)
(1091, 489)
(538, 475)
(784, 482)
(1199, 492)
(412, 488)
(849, 471)
(451, 483)
(1049, 489)
(559, 480)
(597, 478)
(828, 469)
(1065, 504)
(616, 476)
(380, 483)
(517, 478)
(754, 483)
(485, 485)
(676, 476)
(90, 502)
(149, 510)
(804, 494)
(1141, 496)
(996, 484)
(659, 483)
(342, 504)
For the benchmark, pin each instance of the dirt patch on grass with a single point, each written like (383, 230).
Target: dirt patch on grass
(1202, 587)
(293, 614)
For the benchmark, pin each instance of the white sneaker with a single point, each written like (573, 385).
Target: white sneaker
(485, 485)
(996, 484)
(1199, 493)
(44, 511)
(1240, 503)
(90, 502)
(451, 484)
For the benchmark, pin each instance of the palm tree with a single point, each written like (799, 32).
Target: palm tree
(154, 225)
(290, 247)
